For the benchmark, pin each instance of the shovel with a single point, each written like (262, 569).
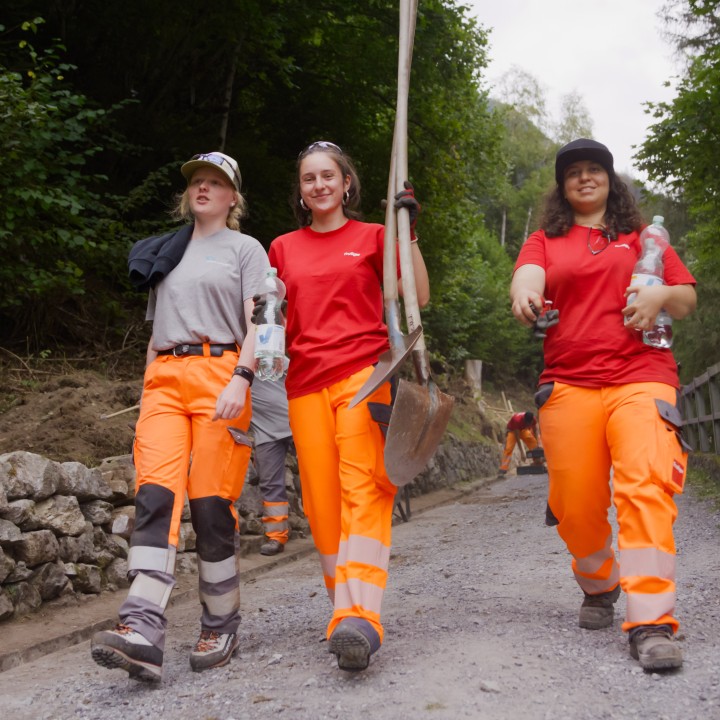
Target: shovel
(420, 412)
(400, 345)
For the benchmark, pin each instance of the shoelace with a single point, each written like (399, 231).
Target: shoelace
(207, 641)
(121, 629)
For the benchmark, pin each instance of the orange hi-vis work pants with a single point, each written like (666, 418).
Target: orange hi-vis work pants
(633, 429)
(175, 423)
(511, 439)
(346, 494)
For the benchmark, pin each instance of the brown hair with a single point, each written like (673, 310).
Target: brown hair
(622, 214)
(351, 198)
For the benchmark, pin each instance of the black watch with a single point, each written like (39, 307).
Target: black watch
(244, 372)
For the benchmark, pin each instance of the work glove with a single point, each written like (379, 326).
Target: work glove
(259, 308)
(546, 318)
(406, 198)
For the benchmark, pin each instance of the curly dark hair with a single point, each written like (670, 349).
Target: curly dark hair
(622, 214)
(351, 199)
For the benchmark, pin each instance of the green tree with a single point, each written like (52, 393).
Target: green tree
(682, 153)
(57, 229)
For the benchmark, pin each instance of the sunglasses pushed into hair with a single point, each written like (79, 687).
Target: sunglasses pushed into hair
(320, 145)
(596, 244)
(216, 159)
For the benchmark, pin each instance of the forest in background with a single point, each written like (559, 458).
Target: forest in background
(100, 102)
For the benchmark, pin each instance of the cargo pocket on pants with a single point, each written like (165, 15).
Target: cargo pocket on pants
(670, 465)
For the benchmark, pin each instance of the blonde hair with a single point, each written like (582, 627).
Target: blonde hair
(181, 210)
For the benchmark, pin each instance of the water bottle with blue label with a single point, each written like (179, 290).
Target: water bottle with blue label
(270, 332)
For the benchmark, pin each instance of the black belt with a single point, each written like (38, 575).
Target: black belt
(180, 350)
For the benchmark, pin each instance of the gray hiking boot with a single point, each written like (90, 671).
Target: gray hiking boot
(353, 641)
(271, 547)
(598, 611)
(124, 648)
(654, 648)
(213, 649)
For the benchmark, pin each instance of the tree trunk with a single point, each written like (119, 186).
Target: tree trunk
(228, 98)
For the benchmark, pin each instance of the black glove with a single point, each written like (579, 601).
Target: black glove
(406, 198)
(545, 319)
(259, 308)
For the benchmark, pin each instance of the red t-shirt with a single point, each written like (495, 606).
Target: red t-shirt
(335, 306)
(517, 422)
(590, 346)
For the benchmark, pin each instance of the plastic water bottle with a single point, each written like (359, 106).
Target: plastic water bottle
(649, 270)
(270, 334)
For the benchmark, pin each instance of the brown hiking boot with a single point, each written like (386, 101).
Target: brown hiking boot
(654, 648)
(598, 611)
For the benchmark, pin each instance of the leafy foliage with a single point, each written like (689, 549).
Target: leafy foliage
(57, 230)
(682, 152)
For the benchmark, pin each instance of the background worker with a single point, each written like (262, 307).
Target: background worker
(520, 427)
(607, 400)
(332, 267)
(200, 356)
(272, 439)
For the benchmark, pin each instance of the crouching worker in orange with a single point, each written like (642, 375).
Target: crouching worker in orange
(520, 427)
(196, 389)
(607, 400)
(333, 268)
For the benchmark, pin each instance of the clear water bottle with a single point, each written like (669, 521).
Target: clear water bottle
(270, 332)
(649, 270)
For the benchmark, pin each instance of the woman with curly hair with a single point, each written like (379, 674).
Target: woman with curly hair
(606, 400)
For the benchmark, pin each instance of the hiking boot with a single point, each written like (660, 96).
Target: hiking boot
(212, 650)
(124, 648)
(353, 641)
(654, 648)
(597, 611)
(271, 547)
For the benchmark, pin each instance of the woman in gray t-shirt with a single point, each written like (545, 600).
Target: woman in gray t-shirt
(200, 362)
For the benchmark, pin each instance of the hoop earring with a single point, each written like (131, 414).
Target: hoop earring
(304, 206)
(346, 197)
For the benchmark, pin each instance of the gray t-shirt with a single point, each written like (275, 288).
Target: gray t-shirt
(201, 300)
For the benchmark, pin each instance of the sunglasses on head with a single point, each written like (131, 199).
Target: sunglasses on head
(320, 145)
(216, 159)
(598, 242)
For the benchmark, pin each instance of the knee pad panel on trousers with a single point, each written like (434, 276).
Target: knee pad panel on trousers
(153, 516)
(214, 525)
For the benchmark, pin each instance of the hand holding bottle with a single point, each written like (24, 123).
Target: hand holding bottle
(644, 309)
(270, 334)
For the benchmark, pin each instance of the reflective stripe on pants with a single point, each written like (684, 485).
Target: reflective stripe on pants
(346, 493)
(586, 432)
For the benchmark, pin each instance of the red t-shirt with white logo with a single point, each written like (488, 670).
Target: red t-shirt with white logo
(590, 346)
(335, 306)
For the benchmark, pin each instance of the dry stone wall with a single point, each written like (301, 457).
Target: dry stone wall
(65, 528)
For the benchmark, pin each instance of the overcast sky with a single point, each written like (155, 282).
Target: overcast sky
(609, 51)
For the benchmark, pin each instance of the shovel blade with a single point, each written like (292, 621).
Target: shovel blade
(387, 365)
(419, 417)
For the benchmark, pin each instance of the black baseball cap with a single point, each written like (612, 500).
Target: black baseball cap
(582, 149)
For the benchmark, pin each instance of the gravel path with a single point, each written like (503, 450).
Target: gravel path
(481, 622)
